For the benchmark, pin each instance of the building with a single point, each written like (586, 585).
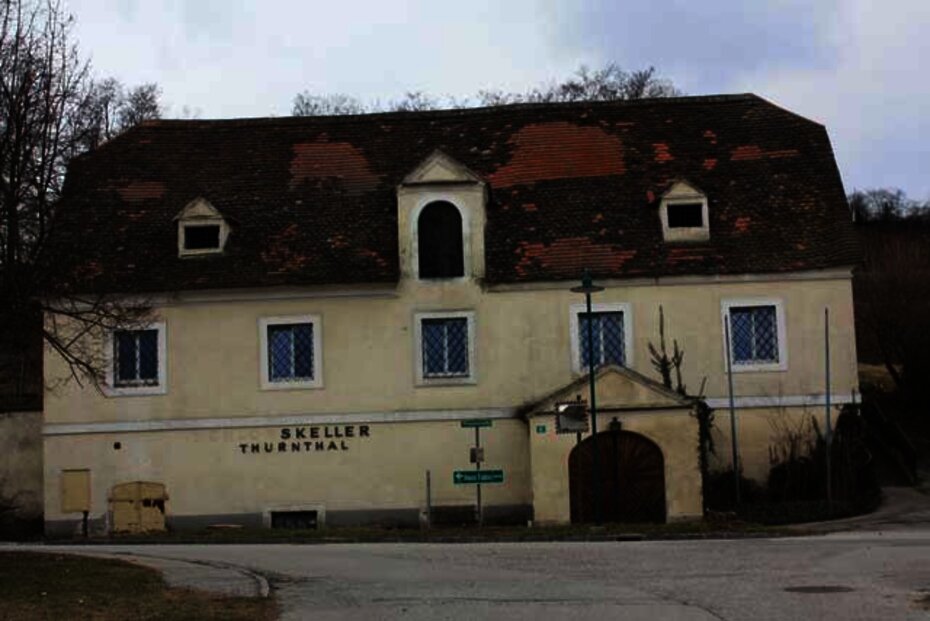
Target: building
(21, 475)
(336, 298)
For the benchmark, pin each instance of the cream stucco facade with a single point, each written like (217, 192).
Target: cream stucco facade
(198, 436)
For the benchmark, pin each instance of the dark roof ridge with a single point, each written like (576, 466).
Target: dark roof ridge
(450, 112)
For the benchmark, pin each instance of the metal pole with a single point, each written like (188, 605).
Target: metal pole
(733, 440)
(596, 479)
(429, 500)
(826, 340)
(478, 469)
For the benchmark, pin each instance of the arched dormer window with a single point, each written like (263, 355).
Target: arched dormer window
(439, 241)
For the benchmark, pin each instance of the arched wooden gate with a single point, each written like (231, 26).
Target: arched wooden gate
(632, 479)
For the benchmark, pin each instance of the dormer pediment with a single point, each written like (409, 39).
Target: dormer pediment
(439, 168)
(683, 189)
(618, 388)
(199, 208)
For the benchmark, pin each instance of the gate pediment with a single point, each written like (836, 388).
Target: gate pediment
(618, 389)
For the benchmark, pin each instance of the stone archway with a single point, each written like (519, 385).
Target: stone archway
(632, 479)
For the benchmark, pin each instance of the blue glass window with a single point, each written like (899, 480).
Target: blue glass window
(608, 338)
(135, 356)
(754, 334)
(290, 352)
(444, 345)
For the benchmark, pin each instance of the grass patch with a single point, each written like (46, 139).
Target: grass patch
(62, 586)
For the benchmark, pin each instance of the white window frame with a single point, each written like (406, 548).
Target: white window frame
(421, 380)
(745, 367)
(265, 381)
(680, 234)
(575, 310)
(161, 388)
(427, 199)
(185, 224)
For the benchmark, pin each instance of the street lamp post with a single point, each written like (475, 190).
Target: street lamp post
(587, 288)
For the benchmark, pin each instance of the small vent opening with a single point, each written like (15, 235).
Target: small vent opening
(294, 520)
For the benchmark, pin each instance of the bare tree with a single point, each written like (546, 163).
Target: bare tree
(885, 205)
(140, 104)
(665, 364)
(414, 101)
(110, 109)
(49, 112)
(309, 104)
(610, 83)
(892, 286)
(892, 298)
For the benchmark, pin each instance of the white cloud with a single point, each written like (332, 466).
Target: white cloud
(874, 100)
(235, 59)
(859, 66)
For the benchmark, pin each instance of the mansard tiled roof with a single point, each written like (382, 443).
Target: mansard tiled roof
(312, 200)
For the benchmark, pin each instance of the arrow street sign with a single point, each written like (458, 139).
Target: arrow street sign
(477, 422)
(471, 477)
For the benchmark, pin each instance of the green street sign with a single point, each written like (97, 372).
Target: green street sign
(476, 422)
(471, 477)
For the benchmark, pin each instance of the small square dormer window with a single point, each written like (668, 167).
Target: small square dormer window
(201, 236)
(684, 214)
(202, 230)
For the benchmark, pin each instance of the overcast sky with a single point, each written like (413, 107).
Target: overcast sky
(861, 67)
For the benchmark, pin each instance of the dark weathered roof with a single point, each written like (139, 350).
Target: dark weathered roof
(313, 200)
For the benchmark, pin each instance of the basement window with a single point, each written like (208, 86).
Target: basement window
(295, 520)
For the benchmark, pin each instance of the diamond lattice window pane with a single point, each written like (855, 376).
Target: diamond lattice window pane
(445, 347)
(607, 338)
(303, 351)
(148, 355)
(754, 334)
(457, 346)
(290, 352)
(612, 339)
(135, 356)
(125, 356)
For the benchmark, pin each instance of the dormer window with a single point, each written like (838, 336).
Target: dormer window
(202, 230)
(684, 214)
(201, 236)
(439, 241)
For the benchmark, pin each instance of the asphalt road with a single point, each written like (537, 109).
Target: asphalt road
(865, 575)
